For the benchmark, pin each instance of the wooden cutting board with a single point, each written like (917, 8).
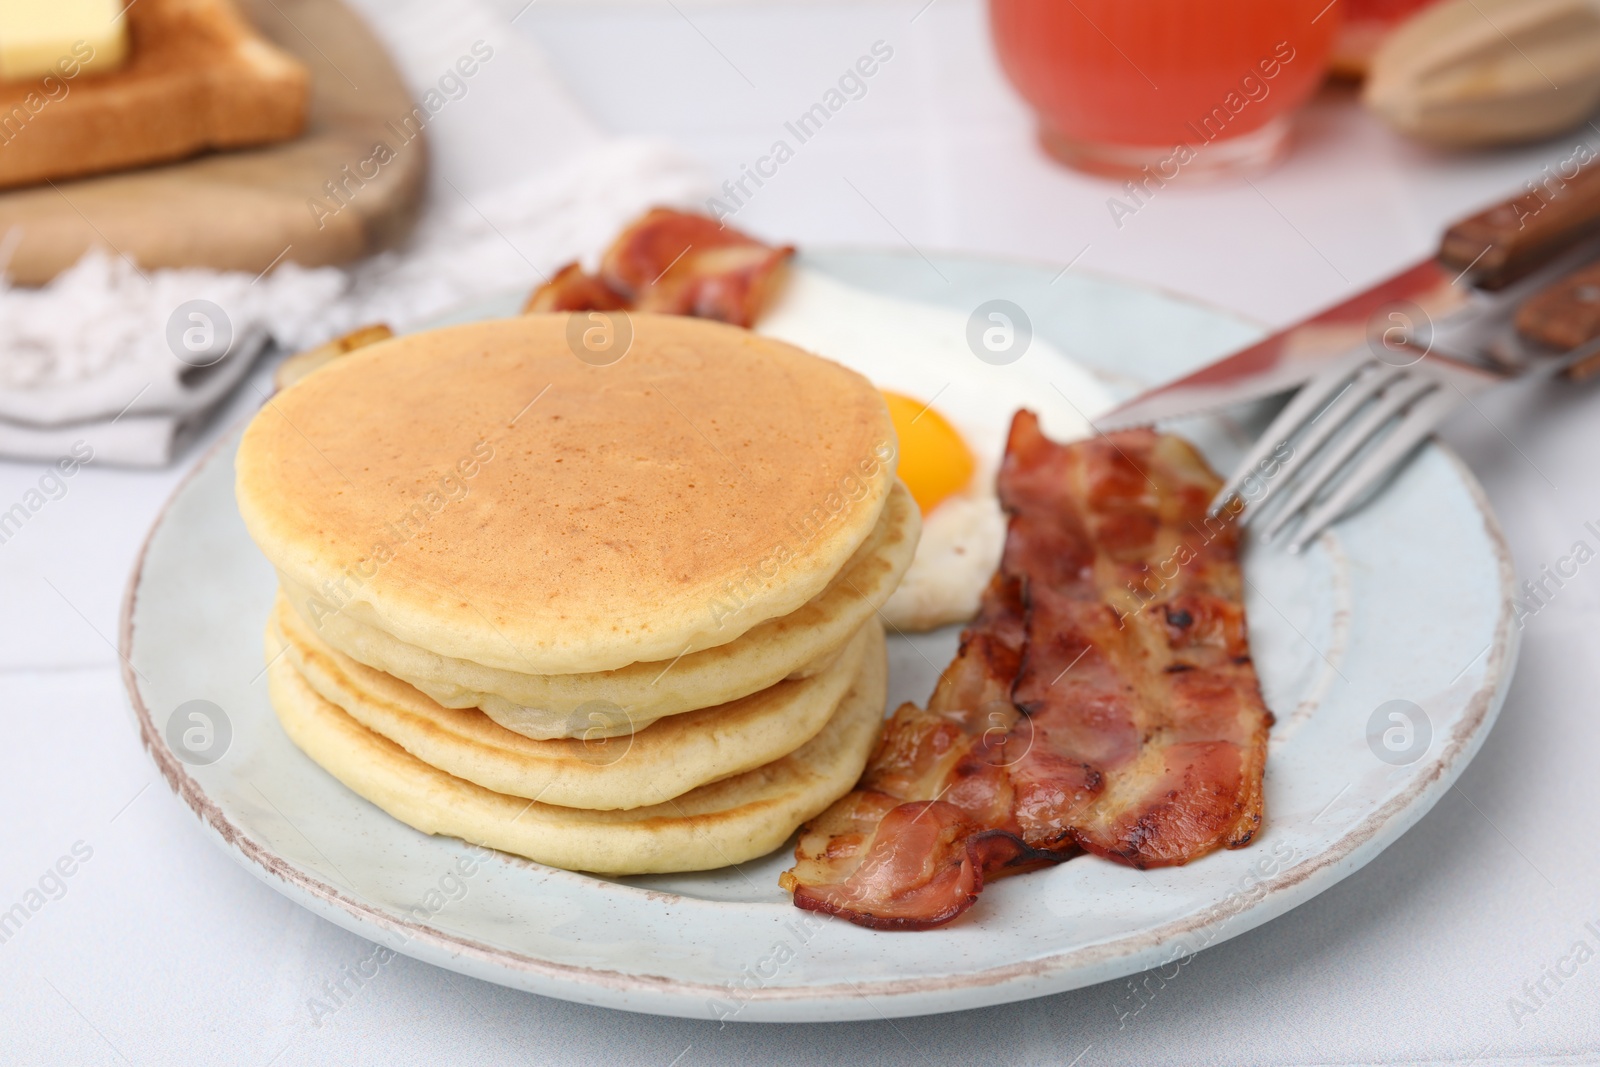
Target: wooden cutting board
(249, 209)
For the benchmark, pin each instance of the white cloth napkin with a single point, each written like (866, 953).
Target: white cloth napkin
(522, 181)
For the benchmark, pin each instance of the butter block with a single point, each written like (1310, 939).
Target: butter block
(61, 37)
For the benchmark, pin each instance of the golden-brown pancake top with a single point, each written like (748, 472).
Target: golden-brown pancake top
(482, 492)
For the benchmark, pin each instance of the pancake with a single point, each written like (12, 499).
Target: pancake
(611, 703)
(483, 493)
(632, 771)
(727, 822)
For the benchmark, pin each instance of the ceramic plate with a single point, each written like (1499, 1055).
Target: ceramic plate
(1385, 652)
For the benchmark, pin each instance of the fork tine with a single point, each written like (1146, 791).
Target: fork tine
(1344, 407)
(1371, 422)
(1301, 406)
(1417, 424)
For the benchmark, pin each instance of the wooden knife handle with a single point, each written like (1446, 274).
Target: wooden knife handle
(1507, 241)
(1564, 316)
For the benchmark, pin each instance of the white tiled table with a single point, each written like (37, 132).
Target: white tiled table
(161, 950)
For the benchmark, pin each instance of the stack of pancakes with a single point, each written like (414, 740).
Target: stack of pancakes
(616, 615)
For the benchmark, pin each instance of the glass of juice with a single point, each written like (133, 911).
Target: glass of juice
(1130, 87)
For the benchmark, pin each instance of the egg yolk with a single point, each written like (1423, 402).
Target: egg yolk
(935, 462)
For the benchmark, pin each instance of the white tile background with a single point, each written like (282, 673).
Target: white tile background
(163, 951)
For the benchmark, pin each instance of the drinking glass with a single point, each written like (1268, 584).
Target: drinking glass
(1129, 87)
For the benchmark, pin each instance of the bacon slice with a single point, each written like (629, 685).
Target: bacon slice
(573, 290)
(674, 263)
(1103, 700)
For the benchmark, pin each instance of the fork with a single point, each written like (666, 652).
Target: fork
(1351, 426)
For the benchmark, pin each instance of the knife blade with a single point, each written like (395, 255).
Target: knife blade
(1291, 357)
(1483, 254)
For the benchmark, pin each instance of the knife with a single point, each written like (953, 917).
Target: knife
(1459, 301)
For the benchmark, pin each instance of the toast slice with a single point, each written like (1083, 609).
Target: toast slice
(198, 77)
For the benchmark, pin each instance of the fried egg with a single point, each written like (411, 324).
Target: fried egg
(951, 412)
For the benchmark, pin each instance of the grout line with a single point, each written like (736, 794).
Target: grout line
(58, 669)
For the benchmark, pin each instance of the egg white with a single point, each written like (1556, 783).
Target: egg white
(920, 351)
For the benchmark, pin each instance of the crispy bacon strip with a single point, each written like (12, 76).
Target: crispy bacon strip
(1103, 700)
(675, 263)
(573, 290)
